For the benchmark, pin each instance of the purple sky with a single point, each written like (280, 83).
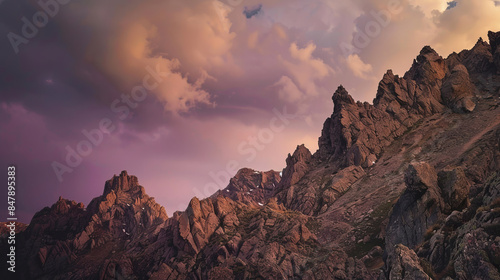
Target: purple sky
(190, 91)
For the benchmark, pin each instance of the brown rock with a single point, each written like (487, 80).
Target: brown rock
(457, 90)
(296, 166)
(404, 264)
(455, 187)
(494, 38)
(479, 59)
(251, 187)
(419, 207)
(420, 176)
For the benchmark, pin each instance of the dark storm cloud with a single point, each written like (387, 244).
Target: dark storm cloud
(252, 11)
(44, 75)
(451, 4)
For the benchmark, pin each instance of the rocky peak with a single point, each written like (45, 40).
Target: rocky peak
(59, 235)
(250, 186)
(494, 38)
(481, 45)
(477, 60)
(429, 54)
(428, 67)
(296, 166)
(495, 48)
(340, 97)
(356, 133)
(63, 206)
(122, 182)
(123, 196)
(62, 214)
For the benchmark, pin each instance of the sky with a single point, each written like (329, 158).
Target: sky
(184, 93)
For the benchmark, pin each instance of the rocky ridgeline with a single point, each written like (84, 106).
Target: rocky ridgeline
(70, 234)
(251, 187)
(406, 188)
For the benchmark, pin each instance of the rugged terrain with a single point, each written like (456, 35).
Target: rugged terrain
(405, 188)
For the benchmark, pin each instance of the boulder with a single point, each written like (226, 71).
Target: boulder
(457, 90)
(405, 265)
(420, 176)
(454, 187)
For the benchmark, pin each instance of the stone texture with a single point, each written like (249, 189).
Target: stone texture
(404, 264)
(420, 177)
(296, 166)
(495, 48)
(418, 208)
(457, 90)
(455, 187)
(251, 187)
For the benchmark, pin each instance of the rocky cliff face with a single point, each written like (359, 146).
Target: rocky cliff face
(406, 188)
(251, 187)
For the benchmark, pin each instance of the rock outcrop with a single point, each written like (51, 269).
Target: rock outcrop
(297, 166)
(251, 187)
(495, 48)
(405, 264)
(455, 188)
(357, 133)
(63, 234)
(467, 243)
(457, 90)
(418, 208)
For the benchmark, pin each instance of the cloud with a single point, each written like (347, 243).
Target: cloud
(358, 67)
(306, 69)
(451, 5)
(137, 36)
(253, 11)
(460, 27)
(288, 90)
(430, 6)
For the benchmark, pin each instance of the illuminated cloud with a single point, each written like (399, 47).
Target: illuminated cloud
(429, 7)
(460, 27)
(358, 67)
(306, 69)
(288, 90)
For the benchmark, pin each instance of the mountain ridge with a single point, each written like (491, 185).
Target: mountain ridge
(405, 188)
